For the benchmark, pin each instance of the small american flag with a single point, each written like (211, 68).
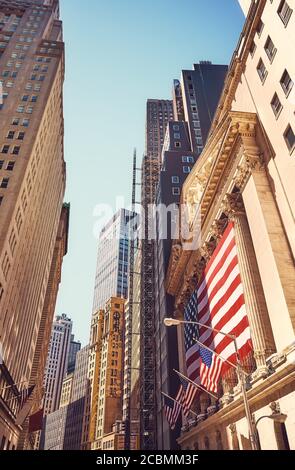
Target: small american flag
(172, 408)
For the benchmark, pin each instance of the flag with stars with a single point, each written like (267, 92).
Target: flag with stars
(172, 408)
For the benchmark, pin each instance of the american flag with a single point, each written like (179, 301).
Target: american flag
(218, 302)
(172, 408)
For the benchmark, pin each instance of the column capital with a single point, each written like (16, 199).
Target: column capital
(207, 249)
(233, 205)
(218, 227)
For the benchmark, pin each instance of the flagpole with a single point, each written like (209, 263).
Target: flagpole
(196, 385)
(241, 374)
(216, 354)
(178, 403)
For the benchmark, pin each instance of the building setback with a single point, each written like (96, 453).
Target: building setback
(32, 184)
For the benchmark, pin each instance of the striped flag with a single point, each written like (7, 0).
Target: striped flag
(192, 350)
(221, 305)
(218, 302)
(172, 408)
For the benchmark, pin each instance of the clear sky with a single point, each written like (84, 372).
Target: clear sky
(119, 53)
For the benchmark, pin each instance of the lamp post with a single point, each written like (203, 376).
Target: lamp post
(241, 374)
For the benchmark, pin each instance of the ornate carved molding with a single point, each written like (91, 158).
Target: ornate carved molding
(218, 227)
(208, 249)
(233, 205)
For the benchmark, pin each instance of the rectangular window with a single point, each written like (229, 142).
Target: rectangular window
(20, 109)
(177, 144)
(5, 149)
(21, 136)
(10, 166)
(25, 122)
(15, 121)
(4, 183)
(176, 135)
(289, 138)
(37, 87)
(29, 86)
(186, 169)
(34, 98)
(276, 105)
(176, 191)
(9, 84)
(286, 82)
(284, 12)
(270, 49)
(33, 76)
(16, 150)
(25, 98)
(1, 164)
(29, 109)
(14, 74)
(175, 179)
(41, 78)
(261, 69)
(10, 135)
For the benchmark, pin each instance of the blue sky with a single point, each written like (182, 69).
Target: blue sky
(119, 53)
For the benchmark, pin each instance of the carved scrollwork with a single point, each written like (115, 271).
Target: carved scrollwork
(218, 227)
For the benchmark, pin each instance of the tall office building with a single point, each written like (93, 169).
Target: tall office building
(108, 372)
(57, 361)
(112, 259)
(195, 99)
(158, 114)
(32, 183)
(75, 346)
(63, 429)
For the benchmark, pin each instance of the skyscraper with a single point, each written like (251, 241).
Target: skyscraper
(32, 183)
(158, 114)
(195, 98)
(57, 361)
(112, 259)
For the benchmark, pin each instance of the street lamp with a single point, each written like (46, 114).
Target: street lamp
(276, 417)
(252, 429)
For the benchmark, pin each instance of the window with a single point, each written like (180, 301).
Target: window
(10, 166)
(4, 183)
(25, 98)
(270, 49)
(175, 127)
(10, 135)
(5, 149)
(33, 76)
(34, 98)
(36, 68)
(16, 150)
(1, 164)
(15, 121)
(29, 109)
(188, 159)
(175, 179)
(177, 144)
(9, 84)
(20, 109)
(276, 105)
(25, 122)
(289, 138)
(261, 69)
(186, 169)
(41, 78)
(286, 83)
(176, 135)
(13, 74)
(29, 86)
(259, 28)
(284, 12)
(5, 73)
(21, 135)
(176, 191)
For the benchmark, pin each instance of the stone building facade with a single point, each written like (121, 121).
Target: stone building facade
(245, 175)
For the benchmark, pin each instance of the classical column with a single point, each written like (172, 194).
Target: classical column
(261, 332)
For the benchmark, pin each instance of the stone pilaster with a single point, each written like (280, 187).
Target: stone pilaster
(261, 332)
